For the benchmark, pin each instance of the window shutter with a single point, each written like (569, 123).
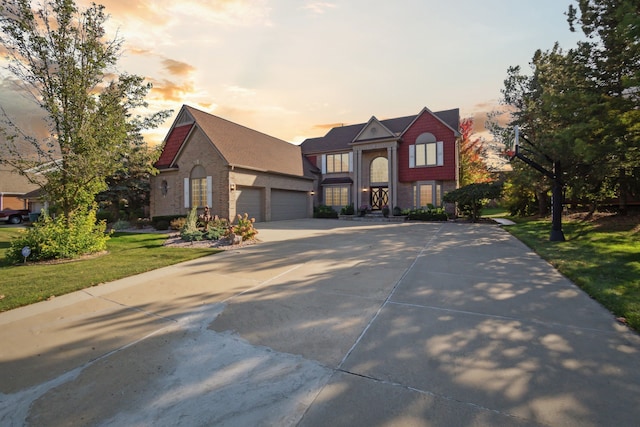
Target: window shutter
(324, 164)
(440, 153)
(412, 156)
(186, 193)
(209, 191)
(350, 161)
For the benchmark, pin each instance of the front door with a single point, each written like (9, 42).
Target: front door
(379, 197)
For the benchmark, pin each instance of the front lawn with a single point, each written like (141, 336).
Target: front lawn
(128, 254)
(600, 256)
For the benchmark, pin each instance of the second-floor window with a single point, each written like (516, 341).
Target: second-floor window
(427, 151)
(426, 154)
(337, 163)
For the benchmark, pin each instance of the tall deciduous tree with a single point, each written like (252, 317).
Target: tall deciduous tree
(63, 59)
(473, 166)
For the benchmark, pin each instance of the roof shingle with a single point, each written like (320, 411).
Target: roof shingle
(172, 145)
(244, 147)
(340, 137)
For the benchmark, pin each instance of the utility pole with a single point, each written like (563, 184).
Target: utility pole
(557, 191)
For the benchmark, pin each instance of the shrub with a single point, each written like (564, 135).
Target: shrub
(189, 231)
(323, 211)
(471, 198)
(142, 222)
(519, 200)
(191, 235)
(161, 225)
(429, 214)
(397, 211)
(120, 225)
(58, 238)
(167, 218)
(178, 223)
(215, 228)
(348, 210)
(104, 215)
(244, 227)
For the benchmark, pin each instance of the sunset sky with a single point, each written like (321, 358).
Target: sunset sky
(295, 68)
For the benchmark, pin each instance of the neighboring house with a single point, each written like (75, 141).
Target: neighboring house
(210, 161)
(405, 162)
(13, 188)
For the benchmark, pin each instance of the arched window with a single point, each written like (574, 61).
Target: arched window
(426, 150)
(379, 173)
(198, 187)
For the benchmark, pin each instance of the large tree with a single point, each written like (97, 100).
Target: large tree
(61, 57)
(580, 107)
(612, 28)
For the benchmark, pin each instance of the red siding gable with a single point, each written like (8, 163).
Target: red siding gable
(427, 122)
(173, 145)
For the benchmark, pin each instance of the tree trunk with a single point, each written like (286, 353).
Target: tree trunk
(622, 192)
(543, 203)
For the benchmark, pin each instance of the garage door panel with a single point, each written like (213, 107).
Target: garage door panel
(250, 200)
(286, 204)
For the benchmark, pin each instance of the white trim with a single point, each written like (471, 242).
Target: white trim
(439, 153)
(209, 191)
(186, 193)
(324, 164)
(412, 156)
(350, 161)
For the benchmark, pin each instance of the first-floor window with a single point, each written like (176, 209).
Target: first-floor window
(198, 186)
(199, 192)
(425, 194)
(336, 195)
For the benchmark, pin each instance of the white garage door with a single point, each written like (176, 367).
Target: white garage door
(287, 204)
(249, 200)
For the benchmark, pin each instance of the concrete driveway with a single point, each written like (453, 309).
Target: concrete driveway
(327, 323)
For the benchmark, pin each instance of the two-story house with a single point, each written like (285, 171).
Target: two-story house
(405, 162)
(209, 161)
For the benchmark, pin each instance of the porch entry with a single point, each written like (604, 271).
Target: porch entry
(379, 197)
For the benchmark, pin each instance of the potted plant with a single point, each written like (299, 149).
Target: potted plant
(364, 209)
(385, 211)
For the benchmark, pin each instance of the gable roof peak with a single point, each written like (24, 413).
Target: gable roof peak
(370, 131)
(239, 145)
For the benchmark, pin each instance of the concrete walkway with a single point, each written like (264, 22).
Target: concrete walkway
(327, 323)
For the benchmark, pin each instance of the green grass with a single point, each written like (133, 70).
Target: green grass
(129, 254)
(497, 212)
(602, 258)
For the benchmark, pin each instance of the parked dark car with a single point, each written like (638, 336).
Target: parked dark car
(14, 216)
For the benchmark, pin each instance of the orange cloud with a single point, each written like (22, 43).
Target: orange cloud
(144, 10)
(139, 51)
(167, 90)
(177, 68)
